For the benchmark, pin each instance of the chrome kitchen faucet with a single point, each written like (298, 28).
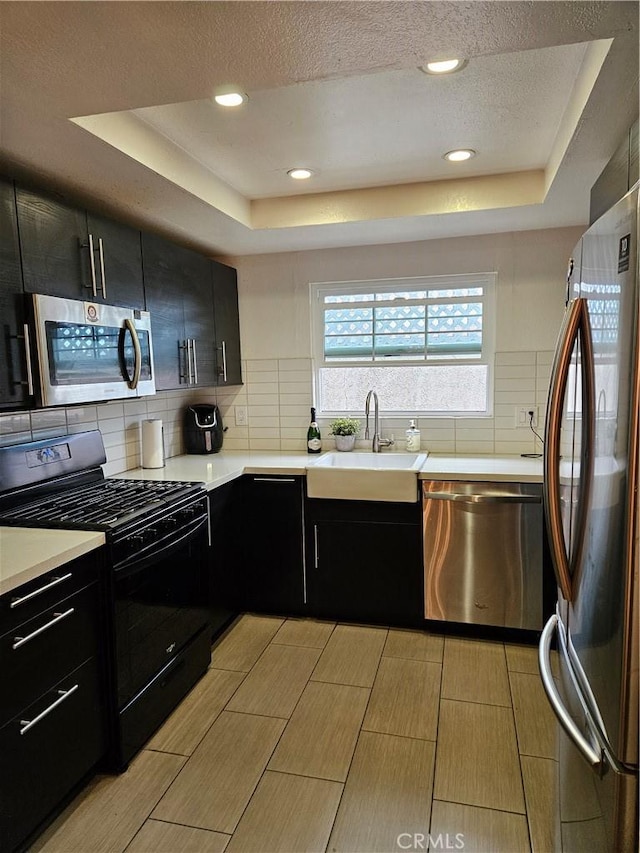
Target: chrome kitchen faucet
(378, 443)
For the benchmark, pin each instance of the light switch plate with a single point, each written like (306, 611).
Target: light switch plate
(241, 416)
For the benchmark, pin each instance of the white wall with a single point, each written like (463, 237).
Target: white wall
(276, 337)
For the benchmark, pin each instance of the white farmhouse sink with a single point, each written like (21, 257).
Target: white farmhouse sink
(366, 476)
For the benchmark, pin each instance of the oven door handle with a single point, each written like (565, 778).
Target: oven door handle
(152, 554)
(132, 381)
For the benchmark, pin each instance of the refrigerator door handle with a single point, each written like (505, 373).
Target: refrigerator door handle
(593, 756)
(575, 323)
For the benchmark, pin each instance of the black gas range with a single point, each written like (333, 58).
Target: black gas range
(157, 540)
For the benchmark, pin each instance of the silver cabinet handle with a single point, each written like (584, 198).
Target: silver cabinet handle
(494, 498)
(27, 349)
(316, 553)
(16, 602)
(57, 617)
(195, 362)
(274, 479)
(224, 361)
(593, 756)
(102, 275)
(63, 694)
(92, 263)
(189, 361)
(132, 382)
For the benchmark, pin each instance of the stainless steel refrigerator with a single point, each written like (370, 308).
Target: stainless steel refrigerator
(591, 510)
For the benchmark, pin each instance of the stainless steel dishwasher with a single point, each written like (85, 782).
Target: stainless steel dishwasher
(483, 553)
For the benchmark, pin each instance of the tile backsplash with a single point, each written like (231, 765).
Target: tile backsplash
(277, 395)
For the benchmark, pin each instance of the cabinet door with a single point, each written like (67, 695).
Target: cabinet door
(366, 571)
(198, 317)
(225, 553)
(14, 390)
(227, 324)
(272, 576)
(163, 282)
(120, 254)
(54, 247)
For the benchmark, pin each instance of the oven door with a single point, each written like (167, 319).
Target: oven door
(88, 352)
(160, 601)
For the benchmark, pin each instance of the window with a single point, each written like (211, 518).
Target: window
(425, 345)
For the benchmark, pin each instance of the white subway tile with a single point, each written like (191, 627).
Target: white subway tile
(293, 432)
(296, 400)
(514, 371)
(47, 419)
(294, 376)
(256, 365)
(294, 421)
(15, 438)
(116, 467)
(262, 388)
(111, 425)
(263, 412)
(159, 404)
(295, 387)
(264, 432)
(264, 444)
(15, 423)
(474, 435)
(438, 446)
(294, 444)
(231, 443)
(517, 398)
(515, 448)
(259, 422)
(135, 407)
(234, 431)
(110, 410)
(263, 400)
(515, 358)
(72, 429)
(114, 439)
(294, 411)
(287, 364)
(474, 447)
(544, 357)
(522, 384)
(81, 414)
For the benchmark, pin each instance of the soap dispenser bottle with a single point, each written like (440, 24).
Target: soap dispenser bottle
(413, 438)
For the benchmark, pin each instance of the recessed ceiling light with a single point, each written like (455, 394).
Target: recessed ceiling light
(230, 99)
(300, 174)
(446, 66)
(459, 155)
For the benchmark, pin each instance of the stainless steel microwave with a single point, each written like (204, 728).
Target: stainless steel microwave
(88, 352)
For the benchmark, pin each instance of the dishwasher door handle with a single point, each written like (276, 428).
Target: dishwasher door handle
(506, 498)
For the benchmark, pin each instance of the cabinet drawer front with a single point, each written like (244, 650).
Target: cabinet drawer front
(39, 652)
(41, 594)
(42, 765)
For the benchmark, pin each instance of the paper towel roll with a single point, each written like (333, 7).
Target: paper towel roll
(152, 444)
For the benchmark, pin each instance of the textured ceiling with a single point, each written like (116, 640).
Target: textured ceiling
(548, 92)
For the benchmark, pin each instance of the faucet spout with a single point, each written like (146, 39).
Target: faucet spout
(377, 442)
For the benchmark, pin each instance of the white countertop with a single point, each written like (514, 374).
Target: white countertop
(217, 468)
(26, 553)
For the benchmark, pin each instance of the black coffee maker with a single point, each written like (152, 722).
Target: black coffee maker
(203, 430)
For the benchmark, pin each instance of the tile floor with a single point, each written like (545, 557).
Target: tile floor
(310, 736)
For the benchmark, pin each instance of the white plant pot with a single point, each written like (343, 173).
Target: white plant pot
(345, 442)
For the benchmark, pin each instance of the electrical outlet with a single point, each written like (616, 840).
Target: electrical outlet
(523, 419)
(241, 416)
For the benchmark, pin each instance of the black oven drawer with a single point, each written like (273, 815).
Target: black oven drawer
(142, 716)
(37, 653)
(31, 598)
(52, 754)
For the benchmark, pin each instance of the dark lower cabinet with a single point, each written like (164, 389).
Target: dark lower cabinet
(53, 706)
(272, 574)
(226, 554)
(364, 561)
(14, 388)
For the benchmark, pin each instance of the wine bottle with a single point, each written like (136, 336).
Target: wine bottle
(314, 440)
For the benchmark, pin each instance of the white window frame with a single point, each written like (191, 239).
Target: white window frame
(488, 280)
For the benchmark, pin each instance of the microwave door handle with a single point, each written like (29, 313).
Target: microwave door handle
(132, 381)
(551, 482)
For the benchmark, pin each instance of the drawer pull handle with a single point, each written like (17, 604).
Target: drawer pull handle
(57, 617)
(17, 601)
(274, 479)
(63, 694)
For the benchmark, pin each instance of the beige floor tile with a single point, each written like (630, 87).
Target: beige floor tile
(477, 757)
(405, 699)
(477, 830)
(525, 659)
(241, 647)
(388, 792)
(541, 791)
(287, 813)
(156, 836)
(414, 645)
(535, 722)
(222, 773)
(304, 632)
(351, 656)
(475, 671)
(188, 724)
(111, 809)
(321, 736)
(275, 683)
(584, 835)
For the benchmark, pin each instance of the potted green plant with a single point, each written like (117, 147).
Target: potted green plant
(344, 430)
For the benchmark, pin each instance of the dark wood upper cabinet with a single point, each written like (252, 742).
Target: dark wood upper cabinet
(14, 390)
(179, 299)
(227, 325)
(70, 253)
